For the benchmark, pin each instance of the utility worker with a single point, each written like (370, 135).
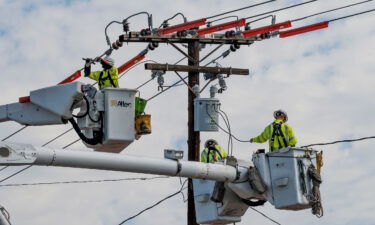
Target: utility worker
(278, 133)
(212, 152)
(108, 77)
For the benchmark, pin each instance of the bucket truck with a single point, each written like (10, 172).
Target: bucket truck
(223, 191)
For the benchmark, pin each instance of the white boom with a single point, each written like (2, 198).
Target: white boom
(25, 154)
(222, 191)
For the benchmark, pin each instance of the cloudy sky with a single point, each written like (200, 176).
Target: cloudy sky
(324, 80)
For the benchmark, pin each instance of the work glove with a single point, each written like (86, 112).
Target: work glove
(251, 140)
(87, 69)
(88, 62)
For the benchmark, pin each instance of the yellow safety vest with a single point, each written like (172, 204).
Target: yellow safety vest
(278, 138)
(106, 78)
(210, 156)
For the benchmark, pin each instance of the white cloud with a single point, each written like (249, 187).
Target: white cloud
(323, 79)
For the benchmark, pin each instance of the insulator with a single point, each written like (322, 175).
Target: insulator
(236, 45)
(115, 46)
(119, 43)
(148, 31)
(265, 35)
(184, 33)
(155, 44)
(232, 48)
(143, 32)
(222, 83)
(151, 46)
(125, 26)
(160, 80)
(165, 24)
(247, 27)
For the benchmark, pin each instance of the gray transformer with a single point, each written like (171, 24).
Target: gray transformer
(206, 114)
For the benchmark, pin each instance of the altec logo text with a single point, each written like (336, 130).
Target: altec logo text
(119, 103)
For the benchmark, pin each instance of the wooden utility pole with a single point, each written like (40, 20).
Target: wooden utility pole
(193, 74)
(193, 136)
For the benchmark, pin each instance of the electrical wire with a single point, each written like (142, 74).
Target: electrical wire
(229, 133)
(83, 181)
(356, 14)
(11, 135)
(171, 18)
(14, 174)
(281, 9)
(264, 215)
(331, 10)
(230, 139)
(341, 141)
(106, 34)
(157, 203)
(236, 10)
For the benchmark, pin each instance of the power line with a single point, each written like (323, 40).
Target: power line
(19, 130)
(157, 203)
(341, 141)
(356, 14)
(14, 174)
(236, 10)
(57, 137)
(264, 215)
(331, 10)
(83, 181)
(281, 9)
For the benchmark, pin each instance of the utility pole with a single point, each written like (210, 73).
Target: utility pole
(193, 136)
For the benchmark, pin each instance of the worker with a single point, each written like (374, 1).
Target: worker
(278, 133)
(108, 77)
(213, 152)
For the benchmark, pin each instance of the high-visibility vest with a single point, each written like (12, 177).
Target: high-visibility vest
(278, 134)
(106, 78)
(213, 155)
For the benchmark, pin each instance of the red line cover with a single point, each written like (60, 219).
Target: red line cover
(305, 29)
(130, 63)
(71, 78)
(223, 26)
(182, 26)
(265, 29)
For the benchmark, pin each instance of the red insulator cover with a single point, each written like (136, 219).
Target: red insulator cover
(265, 29)
(305, 29)
(182, 26)
(223, 26)
(130, 63)
(71, 78)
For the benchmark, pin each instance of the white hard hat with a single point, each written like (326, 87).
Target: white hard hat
(210, 142)
(108, 60)
(279, 113)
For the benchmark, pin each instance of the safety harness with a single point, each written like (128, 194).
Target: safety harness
(277, 133)
(213, 155)
(108, 77)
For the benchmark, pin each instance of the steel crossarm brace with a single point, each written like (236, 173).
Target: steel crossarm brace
(200, 69)
(182, 52)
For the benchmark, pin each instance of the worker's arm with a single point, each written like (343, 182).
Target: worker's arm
(94, 75)
(263, 137)
(292, 138)
(114, 75)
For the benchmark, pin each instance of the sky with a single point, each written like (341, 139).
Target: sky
(323, 79)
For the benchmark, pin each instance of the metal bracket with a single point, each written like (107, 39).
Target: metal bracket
(17, 154)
